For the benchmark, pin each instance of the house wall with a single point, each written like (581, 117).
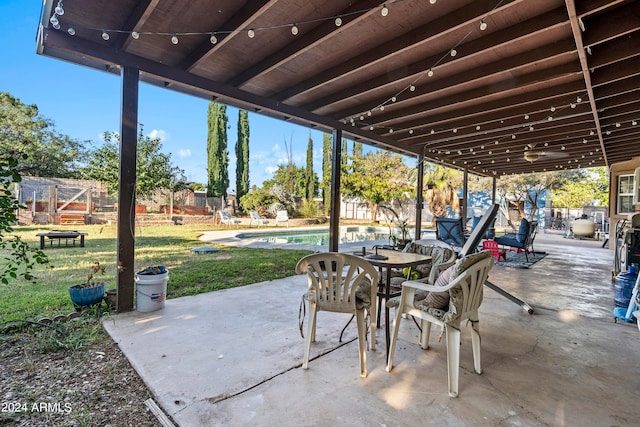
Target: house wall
(617, 169)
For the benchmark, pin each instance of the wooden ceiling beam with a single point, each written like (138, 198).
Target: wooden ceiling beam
(388, 50)
(226, 32)
(514, 34)
(310, 40)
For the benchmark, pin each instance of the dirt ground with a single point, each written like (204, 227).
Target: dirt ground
(93, 386)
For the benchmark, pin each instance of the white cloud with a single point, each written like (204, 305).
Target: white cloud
(160, 134)
(275, 148)
(185, 152)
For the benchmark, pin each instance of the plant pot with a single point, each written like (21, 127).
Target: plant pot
(82, 295)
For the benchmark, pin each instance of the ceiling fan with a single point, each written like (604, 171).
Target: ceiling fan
(531, 155)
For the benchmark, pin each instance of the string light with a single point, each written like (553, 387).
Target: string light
(251, 33)
(294, 30)
(105, 35)
(338, 21)
(174, 39)
(59, 10)
(454, 52)
(135, 35)
(385, 10)
(213, 39)
(483, 25)
(71, 30)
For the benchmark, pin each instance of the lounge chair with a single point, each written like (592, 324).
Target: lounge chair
(450, 231)
(282, 216)
(227, 219)
(523, 239)
(255, 217)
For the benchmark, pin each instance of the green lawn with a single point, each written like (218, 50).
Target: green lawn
(189, 273)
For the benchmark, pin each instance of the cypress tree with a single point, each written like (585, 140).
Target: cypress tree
(326, 171)
(217, 155)
(309, 177)
(357, 149)
(242, 155)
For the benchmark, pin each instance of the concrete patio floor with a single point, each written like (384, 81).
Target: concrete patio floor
(233, 357)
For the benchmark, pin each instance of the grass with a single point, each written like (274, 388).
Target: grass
(167, 245)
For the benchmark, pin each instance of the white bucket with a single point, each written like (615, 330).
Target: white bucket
(151, 291)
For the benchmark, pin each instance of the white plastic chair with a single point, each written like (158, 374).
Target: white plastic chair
(465, 289)
(227, 219)
(255, 217)
(282, 216)
(340, 283)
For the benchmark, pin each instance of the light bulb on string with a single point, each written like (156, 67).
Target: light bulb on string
(454, 52)
(483, 25)
(430, 72)
(56, 25)
(294, 29)
(384, 11)
(71, 30)
(54, 20)
(338, 21)
(393, 99)
(251, 33)
(135, 35)
(213, 39)
(432, 1)
(174, 39)
(105, 35)
(412, 88)
(59, 10)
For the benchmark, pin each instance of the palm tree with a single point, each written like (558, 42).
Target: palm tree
(441, 191)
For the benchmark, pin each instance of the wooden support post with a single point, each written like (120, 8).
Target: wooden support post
(127, 188)
(419, 198)
(334, 211)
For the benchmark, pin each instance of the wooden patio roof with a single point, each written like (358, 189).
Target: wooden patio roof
(473, 84)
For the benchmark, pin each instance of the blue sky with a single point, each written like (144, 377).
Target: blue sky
(83, 103)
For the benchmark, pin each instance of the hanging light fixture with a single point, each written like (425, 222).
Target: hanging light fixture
(213, 39)
(483, 25)
(338, 21)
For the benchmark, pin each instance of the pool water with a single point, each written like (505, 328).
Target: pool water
(319, 236)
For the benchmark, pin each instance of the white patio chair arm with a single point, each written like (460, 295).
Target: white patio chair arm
(430, 288)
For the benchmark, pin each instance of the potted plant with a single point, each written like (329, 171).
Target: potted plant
(403, 224)
(91, 291)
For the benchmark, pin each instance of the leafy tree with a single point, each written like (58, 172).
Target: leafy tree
(375, 177)
(217, 155)
(291, 178)
(242, 155)
(153, 168)
(591, 190)
(41, 150)
(516, 191)
(257, 199)
(326, 171)
(441, 185)
(309, 176)
(18, 259)
(357, 149)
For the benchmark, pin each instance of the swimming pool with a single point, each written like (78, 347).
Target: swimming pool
(318, 235)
